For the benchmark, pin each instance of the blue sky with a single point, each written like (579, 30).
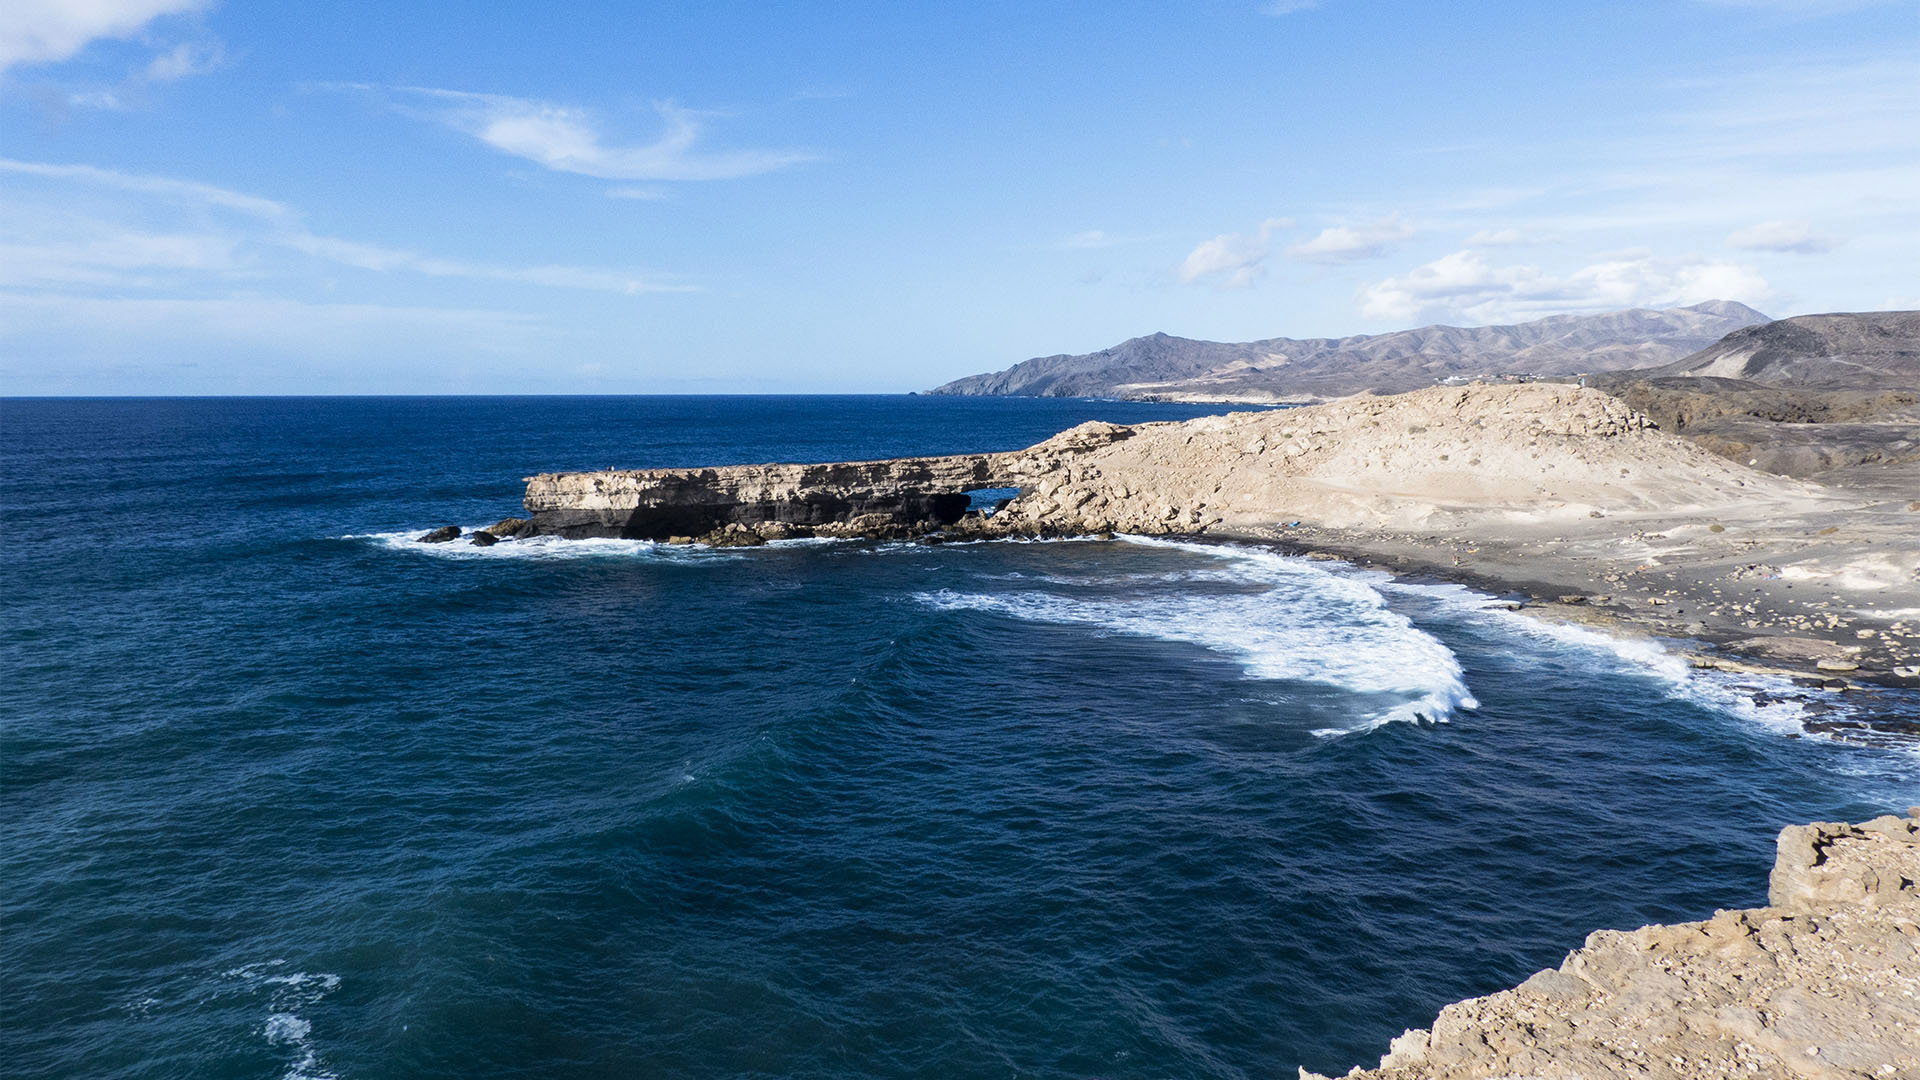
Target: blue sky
(226, 197)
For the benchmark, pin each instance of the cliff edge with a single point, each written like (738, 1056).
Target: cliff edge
(1823, 983)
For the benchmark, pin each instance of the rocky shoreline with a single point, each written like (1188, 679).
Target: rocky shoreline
(1822, 984)
(1567, 497)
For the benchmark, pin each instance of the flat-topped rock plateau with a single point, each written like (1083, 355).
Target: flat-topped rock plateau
(1822, 984)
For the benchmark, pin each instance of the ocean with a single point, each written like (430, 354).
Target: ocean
(286, 795)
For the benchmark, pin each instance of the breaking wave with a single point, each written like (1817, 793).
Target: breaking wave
(1280, 617)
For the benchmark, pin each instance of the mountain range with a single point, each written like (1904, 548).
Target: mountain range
(1163, 367)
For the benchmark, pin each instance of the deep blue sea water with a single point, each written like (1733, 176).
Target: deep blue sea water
(285, 795)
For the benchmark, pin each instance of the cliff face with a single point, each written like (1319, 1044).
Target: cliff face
(1824, 983)
(1163, 366)
(656, 504)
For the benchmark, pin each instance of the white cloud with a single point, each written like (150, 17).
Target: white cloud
(568, 139)
(386, 259)
(636, 192)
(1349, 243)
(44, 31)
(181, 61)
(1465, 285)
(1511, 238)
(186, 190)
(47, 248)
(1786, 237)
(1234, 260)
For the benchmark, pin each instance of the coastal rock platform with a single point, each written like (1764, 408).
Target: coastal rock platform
(1823, 983)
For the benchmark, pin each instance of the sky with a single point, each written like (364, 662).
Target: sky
(223, 197)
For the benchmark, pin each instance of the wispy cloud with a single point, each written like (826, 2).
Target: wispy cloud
(1098, 240)
(1287, 7)
(1496, 238)
(47, 248)
(1350, 243)
(185, 190)
(1785, 237)
(1802, 8)
(183, 60)
(1466, 285)
(48, 31)
(569, 139)
(1232, 260)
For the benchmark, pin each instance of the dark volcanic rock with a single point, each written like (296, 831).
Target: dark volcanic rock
(1874, 350)
(441, 535)
(1835, 398)
(509, 528)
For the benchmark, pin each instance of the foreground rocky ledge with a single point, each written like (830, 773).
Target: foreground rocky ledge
(1823, 983)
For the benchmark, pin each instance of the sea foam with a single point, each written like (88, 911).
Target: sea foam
(1281, 617)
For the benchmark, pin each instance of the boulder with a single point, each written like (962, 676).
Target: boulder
(441, 535)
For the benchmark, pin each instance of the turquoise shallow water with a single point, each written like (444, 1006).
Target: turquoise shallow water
(287, 796)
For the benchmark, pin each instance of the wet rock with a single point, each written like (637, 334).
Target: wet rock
(484, 538)
(734, 535)
(510, 528)
(441, 535)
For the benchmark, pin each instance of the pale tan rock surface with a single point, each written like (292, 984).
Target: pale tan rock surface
(1470, 456)
(1823, 984)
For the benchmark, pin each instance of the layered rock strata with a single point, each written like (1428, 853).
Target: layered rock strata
(659, 504)
(1823, 983)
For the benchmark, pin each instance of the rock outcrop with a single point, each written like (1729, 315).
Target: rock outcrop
(1824, 983)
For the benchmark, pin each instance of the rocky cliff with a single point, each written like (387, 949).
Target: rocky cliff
(1163, 366)
(1823, 983)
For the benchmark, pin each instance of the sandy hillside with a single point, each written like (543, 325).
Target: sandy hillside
(1447, 457)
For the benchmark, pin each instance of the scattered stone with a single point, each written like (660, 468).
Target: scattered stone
(1571, 598)
(1836, 665)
